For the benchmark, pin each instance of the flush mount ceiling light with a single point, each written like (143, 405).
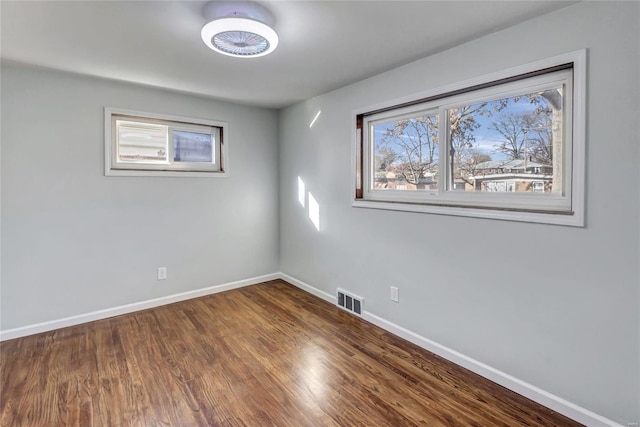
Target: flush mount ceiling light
(239, 29)
(241, 37)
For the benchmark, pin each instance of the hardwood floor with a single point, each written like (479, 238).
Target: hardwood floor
(265, 355)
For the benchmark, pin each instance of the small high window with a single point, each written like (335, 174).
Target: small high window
(508, 146)
(138, 143)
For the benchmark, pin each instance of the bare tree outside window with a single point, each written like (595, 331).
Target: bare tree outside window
(406, 153)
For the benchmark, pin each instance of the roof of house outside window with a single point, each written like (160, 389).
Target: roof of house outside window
(510, 164)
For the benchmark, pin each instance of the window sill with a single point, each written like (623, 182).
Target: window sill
(158, 173)
(567, 219)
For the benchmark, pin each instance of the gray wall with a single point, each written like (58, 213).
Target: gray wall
(75, 241)
(554, 306)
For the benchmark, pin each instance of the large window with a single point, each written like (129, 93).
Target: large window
(139, 143)
(508, 146)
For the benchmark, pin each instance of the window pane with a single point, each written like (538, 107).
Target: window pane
(141, 142)
(406, 154)
(193, 147)
(508, 145)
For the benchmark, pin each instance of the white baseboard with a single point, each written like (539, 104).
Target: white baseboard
(305, 287)
(130, 308)
(532, 392)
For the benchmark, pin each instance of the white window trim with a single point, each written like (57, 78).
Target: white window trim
(575, 193)
(182, 170)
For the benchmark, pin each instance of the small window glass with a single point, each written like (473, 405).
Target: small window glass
(192, 147)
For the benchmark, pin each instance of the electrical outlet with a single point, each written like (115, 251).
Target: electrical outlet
(394, 294)
(162, 273)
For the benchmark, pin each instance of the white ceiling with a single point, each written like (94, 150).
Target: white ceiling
(324, 45)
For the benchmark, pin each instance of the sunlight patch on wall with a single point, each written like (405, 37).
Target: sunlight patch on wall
(314, 119)
(314, 211)
(301, 191)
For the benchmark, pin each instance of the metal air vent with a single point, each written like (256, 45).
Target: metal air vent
(350, 302)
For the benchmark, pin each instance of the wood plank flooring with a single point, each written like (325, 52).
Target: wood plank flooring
(264, 355)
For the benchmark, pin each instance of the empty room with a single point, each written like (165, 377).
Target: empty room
(320, 213)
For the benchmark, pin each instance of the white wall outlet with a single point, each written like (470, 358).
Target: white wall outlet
(162, 273)
(395, 297)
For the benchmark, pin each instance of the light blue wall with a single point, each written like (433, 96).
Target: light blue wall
(75, 241)
(557, 307)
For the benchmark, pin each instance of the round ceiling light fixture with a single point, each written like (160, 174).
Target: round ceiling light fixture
(240, 37)
(241, 31)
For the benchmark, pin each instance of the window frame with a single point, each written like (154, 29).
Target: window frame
(218, 129)
(565, 209)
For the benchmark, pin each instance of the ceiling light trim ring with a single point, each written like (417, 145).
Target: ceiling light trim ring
(221, 26)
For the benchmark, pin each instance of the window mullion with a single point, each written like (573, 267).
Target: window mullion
(215, 147)
(170, 153)
(443, 160)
